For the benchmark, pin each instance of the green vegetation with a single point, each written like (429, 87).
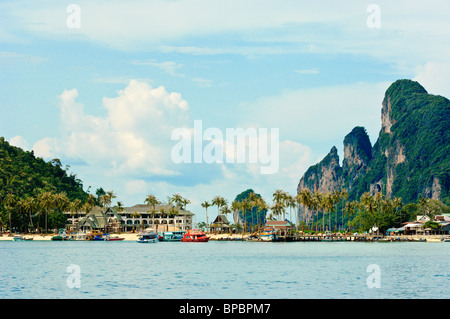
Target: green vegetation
(34, 193)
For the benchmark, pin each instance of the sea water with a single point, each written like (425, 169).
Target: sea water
(222, 269)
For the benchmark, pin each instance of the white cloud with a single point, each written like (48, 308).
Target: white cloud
(300, 26)
(19, 141)
(133, 137)
(434, 77)
(128, 150)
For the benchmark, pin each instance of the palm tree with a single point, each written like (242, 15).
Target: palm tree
(177, 199)
(152, 201)
(316, 204)
(47, 203)
(119, 209)
(278, 208)
(369, 205)
(335, 198)
(344, 195)
(185, 202)
(397, 202)
(253, 202)
(225, 210)
(10, 204)
(262, 206)
(290, 202)
(279, 197)
(350, 210)
(172, 212)
(304, 197)
(205, 205)
(219, 201)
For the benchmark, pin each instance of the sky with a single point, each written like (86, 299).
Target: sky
(105, 85)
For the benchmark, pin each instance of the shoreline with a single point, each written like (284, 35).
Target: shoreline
(240, 237)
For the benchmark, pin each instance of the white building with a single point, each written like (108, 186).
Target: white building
(137, 217)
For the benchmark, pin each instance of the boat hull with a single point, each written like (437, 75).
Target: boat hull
(147, 241)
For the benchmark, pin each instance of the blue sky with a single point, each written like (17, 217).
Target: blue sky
(105, 97)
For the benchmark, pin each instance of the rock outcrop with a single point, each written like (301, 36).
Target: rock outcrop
(410, 159)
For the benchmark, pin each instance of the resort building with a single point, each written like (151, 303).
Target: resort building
(135, 218)
(418, 226)
(280, 226)
(220, 224)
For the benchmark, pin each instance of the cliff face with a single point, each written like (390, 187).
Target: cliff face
(410, 159)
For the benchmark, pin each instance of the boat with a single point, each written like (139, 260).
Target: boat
(172, 235)
(61, 235)
(21, 238)
(446, 239)
(269, 234)
(94, 235)
(195, 236)
(148, 236)
(114, 238)
(78, 237)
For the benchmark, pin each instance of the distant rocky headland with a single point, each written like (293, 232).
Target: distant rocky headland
(410, 159)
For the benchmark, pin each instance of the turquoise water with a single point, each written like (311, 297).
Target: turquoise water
(220, 270)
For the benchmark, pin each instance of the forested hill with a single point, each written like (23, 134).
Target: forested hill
(24, 175)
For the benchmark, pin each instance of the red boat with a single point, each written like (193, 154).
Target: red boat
(196, 236)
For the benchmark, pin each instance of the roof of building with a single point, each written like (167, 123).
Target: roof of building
(221, 219)
(279, 223)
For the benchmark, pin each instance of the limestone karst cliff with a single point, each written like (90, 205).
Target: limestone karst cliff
(410, 159)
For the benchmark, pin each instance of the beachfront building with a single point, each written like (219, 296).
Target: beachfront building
(101, 219)
(282, 227)
(135, 218)
(162, 218)
(418, 226)
(220, 224)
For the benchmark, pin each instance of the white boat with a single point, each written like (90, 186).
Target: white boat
(79, 236)
(148, 236)
(21, 238)
(446, 239)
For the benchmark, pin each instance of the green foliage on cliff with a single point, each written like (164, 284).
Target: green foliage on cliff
(253, 216)
(409, 160)
(422, 127)
(24, 175)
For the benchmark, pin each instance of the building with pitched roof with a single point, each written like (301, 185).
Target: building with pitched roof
(134, 218)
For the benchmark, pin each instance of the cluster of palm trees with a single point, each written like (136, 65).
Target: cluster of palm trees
(176, 201)
(255, 204)
(369, 210)
(27, 212)
(366, 212)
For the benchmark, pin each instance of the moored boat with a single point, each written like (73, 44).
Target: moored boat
(172, 236)
(78, 237)
(61, 235)
(94, 235)
(195, 236)
(147, 236)
(114, 238)
(269, 234)
(21, 238)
